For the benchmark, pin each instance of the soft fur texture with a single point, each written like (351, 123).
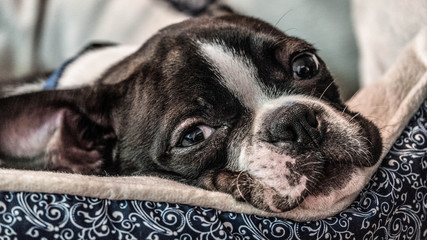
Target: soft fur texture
(389, 103)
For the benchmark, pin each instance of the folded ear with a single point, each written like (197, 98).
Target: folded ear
(64, 130)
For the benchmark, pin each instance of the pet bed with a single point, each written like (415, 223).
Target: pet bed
(393, 205)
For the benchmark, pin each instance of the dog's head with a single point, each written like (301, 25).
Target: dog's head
(226, 103)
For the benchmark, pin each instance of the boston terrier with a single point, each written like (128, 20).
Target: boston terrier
(227, 103)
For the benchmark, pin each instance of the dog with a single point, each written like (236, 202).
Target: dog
(227, 103)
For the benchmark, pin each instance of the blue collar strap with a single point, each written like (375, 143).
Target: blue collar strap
(53, 80)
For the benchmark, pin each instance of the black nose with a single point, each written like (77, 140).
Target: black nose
(295, 123)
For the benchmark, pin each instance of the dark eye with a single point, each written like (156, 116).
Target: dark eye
(195, 135)
(305, 66)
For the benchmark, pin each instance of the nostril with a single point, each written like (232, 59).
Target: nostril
(311, 119)
(289, 134)
(281, 131)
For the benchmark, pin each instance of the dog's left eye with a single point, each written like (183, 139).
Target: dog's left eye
(195, 135)
(305, 66)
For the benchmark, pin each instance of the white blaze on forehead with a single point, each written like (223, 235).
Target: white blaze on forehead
(236, 72)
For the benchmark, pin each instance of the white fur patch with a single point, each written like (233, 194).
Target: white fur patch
(237, 73)
(89, 67)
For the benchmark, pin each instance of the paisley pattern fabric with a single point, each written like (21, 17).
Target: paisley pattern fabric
(392, 206)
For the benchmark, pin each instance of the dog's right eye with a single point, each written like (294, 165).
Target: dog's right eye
(305, 66)
(195, 135)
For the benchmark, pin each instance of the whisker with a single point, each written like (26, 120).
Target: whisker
(238, 188)
(281, 17)
(355, 115)
(345, 108)
(310, 163)
(326, 89)
(289, 29)
(313, 182)
(278, 21)
(308, 191)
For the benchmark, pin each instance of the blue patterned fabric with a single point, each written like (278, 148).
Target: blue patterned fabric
(392, 206)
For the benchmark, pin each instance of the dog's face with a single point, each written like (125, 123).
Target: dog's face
(226, 103)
